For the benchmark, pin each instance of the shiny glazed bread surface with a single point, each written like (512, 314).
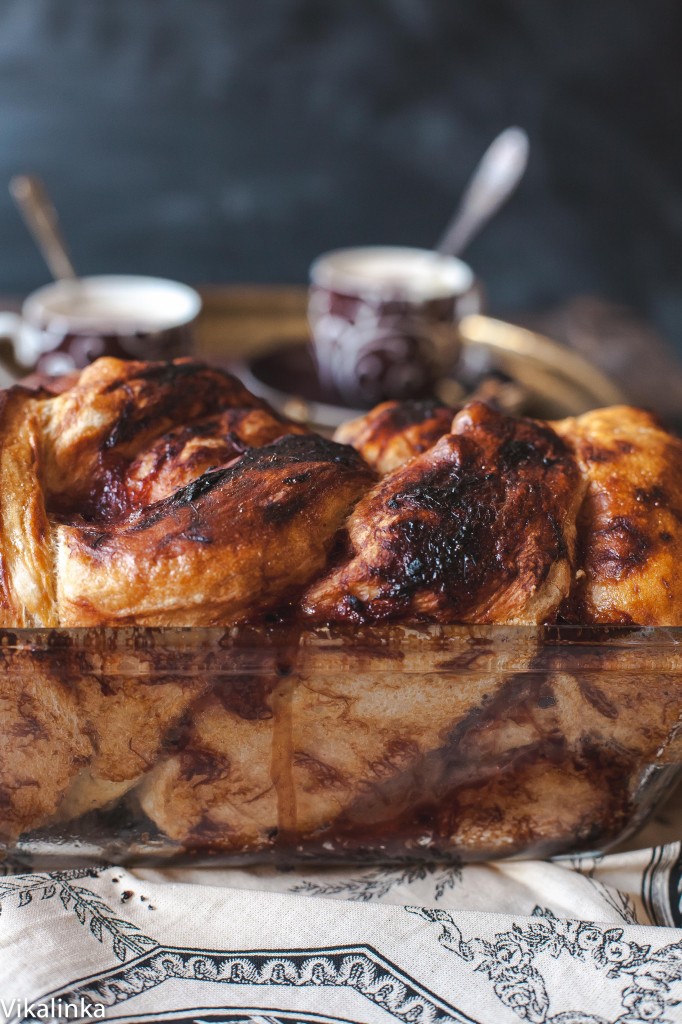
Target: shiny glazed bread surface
(162, 494)
(167, 494)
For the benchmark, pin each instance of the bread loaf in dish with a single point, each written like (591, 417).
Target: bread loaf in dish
(165, 494)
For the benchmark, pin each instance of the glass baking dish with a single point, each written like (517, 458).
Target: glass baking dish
(287, 745)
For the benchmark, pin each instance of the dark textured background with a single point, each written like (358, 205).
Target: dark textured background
(222, 140)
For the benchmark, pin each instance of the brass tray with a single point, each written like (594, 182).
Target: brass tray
(240, 324)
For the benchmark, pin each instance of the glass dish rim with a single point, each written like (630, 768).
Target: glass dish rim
(285, 649)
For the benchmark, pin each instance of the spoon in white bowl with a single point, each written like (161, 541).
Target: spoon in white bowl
(40, 217)
(497, 175)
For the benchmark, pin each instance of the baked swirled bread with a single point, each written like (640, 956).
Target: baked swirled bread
(43, 745)
(480, 528)
(143, 494)
(236, 543)
(162, 494)
(630, 524)
(72, 738)
(27, 580)
(394, 432)
(488, 763)
(167, 495)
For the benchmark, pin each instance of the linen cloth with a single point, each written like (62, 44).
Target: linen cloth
(592, 940)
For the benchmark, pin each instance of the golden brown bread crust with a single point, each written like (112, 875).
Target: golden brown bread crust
(162, 494)
(231, 545)
(27, 582)
(480, 528)
(394, 432)
(187, 452)
(116, 411)
(630, 525)
(112, 488)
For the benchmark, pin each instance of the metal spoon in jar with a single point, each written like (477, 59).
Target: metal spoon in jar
(40, 217)
(497, 175)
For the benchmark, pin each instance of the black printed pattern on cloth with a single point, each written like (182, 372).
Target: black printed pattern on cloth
(376, 883)
(91, 910)
(359, 968)
(513, 964)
